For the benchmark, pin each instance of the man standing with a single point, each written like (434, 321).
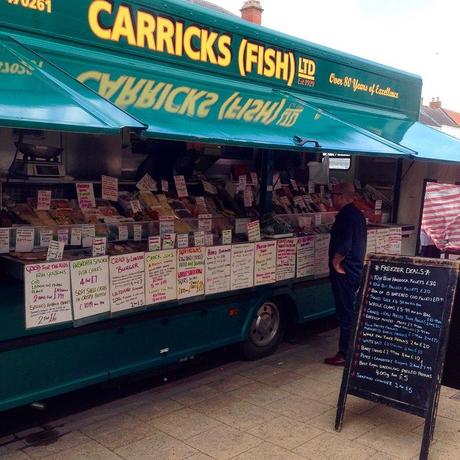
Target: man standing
(346, 255)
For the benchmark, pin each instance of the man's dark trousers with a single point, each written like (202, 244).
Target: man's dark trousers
(344, 289)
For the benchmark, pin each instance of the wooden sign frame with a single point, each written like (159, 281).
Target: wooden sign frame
(428, 408)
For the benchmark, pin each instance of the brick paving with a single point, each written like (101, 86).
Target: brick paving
(281, 407)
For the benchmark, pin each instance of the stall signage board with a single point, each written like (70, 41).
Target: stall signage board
(218, 269)
(85, 194)
(44, 200)
(400, 336)
(286, 258)
(90, 287)
(265, 263)
(4, 240)
(190, 272)
(160, 276)
(127, 281)
(382, 241)
(47, 294)
(242, 269)
(109, 188)
(305, 256)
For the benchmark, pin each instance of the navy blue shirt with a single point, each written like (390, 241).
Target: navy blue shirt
(349, 239)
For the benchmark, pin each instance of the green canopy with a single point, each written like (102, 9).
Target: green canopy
(176, 103)
(426, 142)
(34, 94)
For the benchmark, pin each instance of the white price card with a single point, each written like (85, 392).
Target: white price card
(136, 206)
(99, 246)
(198, 238)
(208, 239)
(109, 188)
(4, 240)
(127, 280)
(168, 240)
(242, 182)
(218, 269)
(201, 205)
(25, 239)
(254, 178)
(241, 225)
(209, 188)
(147, 184)
(254, 231)
(55, 251)
(205, 222)
(160, 276)
(88, 232)
(294, 185)
(43, 200)
(226, 237)
(137, 232)
(47, 294)
(181, 186)
(46, 235)
(90, 286)
(85, 194)
(182, 240)
(305, 256)
(154, 243)
(311, 187)
(166, 224)
(63, 235)
(242, 266)
(286, 251)
(265, 263)
(190, 272)
(164, 186)
(248, 197)
(123, 233)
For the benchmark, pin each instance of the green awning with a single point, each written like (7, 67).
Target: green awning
(34, 94)
(426, 142)
(179, 104)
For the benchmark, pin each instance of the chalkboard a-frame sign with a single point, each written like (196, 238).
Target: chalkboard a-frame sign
(400, 335)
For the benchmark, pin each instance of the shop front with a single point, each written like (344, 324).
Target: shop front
(164, 190)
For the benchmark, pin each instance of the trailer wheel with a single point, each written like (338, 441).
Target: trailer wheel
(265, 332)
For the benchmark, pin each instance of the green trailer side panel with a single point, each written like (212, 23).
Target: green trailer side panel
(68, 360)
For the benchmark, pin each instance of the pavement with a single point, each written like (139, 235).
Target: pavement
(281, 407)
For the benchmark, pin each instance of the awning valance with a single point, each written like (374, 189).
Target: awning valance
(176, 103)
(426, 142)
(34, 94)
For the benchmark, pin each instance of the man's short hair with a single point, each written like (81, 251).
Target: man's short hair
(346, 188)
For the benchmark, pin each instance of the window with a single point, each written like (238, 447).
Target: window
(339, 161)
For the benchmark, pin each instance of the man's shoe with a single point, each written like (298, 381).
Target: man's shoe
(336, 360)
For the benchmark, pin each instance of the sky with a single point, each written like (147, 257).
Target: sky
(419, 36)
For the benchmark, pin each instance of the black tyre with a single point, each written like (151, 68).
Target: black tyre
(265, 332)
